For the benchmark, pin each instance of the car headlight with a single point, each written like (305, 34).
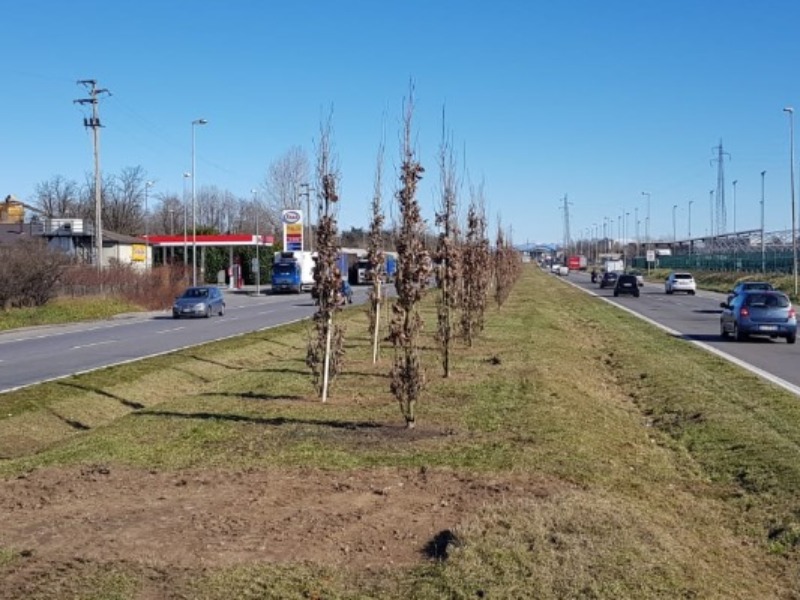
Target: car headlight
(200, 306)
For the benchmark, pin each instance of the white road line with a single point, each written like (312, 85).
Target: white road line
(170, 330)
(95, 344)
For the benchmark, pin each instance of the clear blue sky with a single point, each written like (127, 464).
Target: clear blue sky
(597, 100)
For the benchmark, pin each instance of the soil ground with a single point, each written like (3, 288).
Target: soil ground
(189, 520)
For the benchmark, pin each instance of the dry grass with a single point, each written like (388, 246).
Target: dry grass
(672, 474)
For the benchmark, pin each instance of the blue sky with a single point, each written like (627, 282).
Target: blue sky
(596, 100)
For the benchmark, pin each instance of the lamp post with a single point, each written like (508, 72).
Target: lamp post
(735, 181)
(147, 186)
(790, 110)
(763, 247)
(626, 232)
(185, 222)
(194, 210)
(674, 224)
(172, 232)
(307, 193)
(689, 229)
(647, 228)
(258, 243)
(711, 208)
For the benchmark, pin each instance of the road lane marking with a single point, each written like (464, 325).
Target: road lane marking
(171, 329)
(94, 344)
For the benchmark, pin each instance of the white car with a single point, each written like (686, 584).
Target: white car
(680, 282)
(563, 270)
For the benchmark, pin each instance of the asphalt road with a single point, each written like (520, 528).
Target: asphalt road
(696, 318)
(37, 354)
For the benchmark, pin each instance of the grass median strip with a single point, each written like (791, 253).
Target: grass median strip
(574, 452)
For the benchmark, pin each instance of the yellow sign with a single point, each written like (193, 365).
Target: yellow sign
(139, 253)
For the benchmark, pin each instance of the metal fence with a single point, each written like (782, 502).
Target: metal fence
(744, 251)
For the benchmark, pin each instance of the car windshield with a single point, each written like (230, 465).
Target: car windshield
(626, 279)
(682, 276)
(757, 286)
(768, 301)
(195, 293)
(283, 269)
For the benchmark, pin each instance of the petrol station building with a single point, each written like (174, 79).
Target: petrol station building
(200, 242)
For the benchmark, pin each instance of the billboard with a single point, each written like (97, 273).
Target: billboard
(292, 230)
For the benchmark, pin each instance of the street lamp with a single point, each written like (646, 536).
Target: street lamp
(185, 223)
(790, 110)
(711, 208)
(763, 247)
(307, 193)
(147, 186)
(258, 243)
(647, 228)
(674, 226)
(735, 181)
(194, 210)
(689, 230)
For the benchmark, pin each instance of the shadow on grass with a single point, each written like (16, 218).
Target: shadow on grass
(85, 388)
(188, 372)
(272, 421)
(215, 362)
(255, 396)
(284, 370)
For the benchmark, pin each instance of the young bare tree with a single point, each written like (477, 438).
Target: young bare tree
(477, 271)
(507, 266)
(413, 273)
(325, 351)
(376, 256)
(448, 252)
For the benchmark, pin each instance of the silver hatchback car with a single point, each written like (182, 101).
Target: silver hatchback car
(201, 301)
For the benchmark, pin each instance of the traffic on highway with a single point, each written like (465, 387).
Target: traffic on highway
(699, 317)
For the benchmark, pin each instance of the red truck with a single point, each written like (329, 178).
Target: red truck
(576, 262)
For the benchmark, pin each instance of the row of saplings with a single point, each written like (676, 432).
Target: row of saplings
(464, 269)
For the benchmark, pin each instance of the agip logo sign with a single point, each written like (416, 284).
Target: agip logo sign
(290, 217)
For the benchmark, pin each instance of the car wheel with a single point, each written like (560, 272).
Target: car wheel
(616, 293)
(722, 333)
(791, 338)
(691, 292)
(175, 316)
(636, 295)
(221, 309)
(737, 334)
(208, 312)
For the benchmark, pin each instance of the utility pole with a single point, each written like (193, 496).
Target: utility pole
(93, 122)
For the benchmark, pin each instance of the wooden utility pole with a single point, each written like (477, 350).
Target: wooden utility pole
(93, 122)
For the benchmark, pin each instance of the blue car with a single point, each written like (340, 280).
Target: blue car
(201, 301)
(758, 312)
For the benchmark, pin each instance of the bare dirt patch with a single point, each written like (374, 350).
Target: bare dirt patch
(212, 518)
